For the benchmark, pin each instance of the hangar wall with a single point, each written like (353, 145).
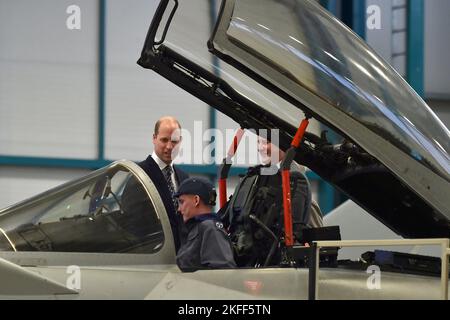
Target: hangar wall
(437, 46)
(48, 83)
(437, 69)
(391, 42)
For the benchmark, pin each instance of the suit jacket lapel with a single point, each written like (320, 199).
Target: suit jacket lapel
(180, 175)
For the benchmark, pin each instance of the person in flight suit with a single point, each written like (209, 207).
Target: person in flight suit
(207, 245)
(305, 210)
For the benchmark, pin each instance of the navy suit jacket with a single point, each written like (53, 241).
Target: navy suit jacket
(176, 220)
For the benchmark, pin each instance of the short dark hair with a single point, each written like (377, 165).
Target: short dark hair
(158, 124)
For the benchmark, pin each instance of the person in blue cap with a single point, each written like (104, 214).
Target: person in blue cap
(207, 245)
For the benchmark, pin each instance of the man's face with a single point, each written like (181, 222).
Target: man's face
(268, 152)
(187, 204)
(265, 150)
(166, 142)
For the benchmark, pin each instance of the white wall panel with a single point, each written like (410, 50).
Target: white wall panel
(136, 98)
(17, 183)
(48, 79)
(437, 46)
(381, 39)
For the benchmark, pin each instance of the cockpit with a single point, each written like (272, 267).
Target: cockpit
(109, 211)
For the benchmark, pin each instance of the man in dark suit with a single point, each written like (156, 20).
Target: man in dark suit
(166, 176)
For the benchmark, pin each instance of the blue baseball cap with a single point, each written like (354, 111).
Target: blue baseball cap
(200, 187)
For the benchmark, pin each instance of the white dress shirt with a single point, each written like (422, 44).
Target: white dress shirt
(162, 165)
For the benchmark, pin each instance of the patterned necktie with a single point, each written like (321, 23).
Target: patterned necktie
(167, 171)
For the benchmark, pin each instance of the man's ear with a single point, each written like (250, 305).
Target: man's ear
(197, 200)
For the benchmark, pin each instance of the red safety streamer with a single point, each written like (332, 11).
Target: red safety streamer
(289, 237)
(222, 192)
(223, 178)
(236, 141)
(286, 184)
(300, 133)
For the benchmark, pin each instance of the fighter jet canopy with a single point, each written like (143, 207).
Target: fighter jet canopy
(116, 209)
(266, 63)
